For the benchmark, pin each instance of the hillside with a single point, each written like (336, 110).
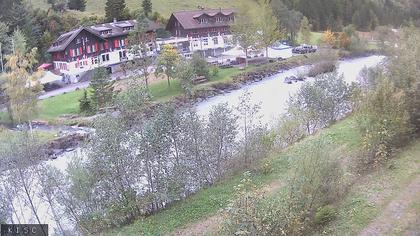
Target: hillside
(164, 7)
(369, 205)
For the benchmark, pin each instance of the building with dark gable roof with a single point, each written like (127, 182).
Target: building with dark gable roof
(205, 30)
(88, 47)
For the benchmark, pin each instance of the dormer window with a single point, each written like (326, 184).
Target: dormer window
(203, 20)
(104, 32)
(128, 28)
(77, 40)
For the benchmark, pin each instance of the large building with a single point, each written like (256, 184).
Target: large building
(86, 48)
(204, 30)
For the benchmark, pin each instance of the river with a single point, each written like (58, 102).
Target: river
(272, 93)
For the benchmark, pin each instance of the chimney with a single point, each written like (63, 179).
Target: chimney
(115, 20)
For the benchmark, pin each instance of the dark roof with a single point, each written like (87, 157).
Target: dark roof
(117, 29)
(188, 19)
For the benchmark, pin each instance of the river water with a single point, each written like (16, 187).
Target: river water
(271, 93)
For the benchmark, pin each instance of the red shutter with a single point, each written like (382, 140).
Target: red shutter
(81, 50)
(71, 52)
(106, 44)
(116, 43)
(96, 47)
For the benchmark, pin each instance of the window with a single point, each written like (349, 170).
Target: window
(215, 40)
(195, 43)
(206, 41)
(77, 40)
(105, 57)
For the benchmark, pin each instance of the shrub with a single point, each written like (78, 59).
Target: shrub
(324, 61)
(214, 71)
(85, 105)
(383, 119)
(324, 214)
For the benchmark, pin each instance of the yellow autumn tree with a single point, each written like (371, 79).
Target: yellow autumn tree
(167, 61)
(21, 83)
(329, 38)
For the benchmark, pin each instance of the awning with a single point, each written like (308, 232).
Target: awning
(50, 77)
(45, 66)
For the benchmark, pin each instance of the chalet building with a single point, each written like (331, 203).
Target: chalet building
(86, 48)
(204, 30)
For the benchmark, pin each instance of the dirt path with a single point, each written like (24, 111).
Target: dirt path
(210, 225)
(397, 213)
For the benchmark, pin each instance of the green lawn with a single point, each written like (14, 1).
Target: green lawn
(4, 117)
(164, 7)
(53, 107)
(209, 201)
(161, 92)
(315, 38)
(68, 103)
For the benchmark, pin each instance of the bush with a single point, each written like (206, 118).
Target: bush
(200, 66)
(214, 71)
(324, 214)
(383, 120)
(85, 105)
(324, 61)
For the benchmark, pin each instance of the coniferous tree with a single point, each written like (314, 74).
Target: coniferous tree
(114, 9)
(79, 5)
(147, 7)
(102, 88)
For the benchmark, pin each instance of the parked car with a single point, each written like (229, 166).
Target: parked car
(304, 48)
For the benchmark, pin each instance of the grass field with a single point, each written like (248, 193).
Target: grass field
(164, 7)
(68, 104)
(315, 38)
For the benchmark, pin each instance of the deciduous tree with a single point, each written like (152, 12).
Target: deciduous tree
(245, 30)
(305, 30)
(167, 61)
(269, 31)
(21, 85)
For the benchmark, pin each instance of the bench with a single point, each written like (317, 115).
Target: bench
(199, 80)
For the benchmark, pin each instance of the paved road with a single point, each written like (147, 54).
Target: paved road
(66, 89)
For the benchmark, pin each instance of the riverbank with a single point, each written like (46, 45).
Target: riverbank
(368, 199)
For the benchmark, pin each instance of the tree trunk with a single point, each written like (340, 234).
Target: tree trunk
(169, 82)
(30, 200)
(266, 52)
(246, 57)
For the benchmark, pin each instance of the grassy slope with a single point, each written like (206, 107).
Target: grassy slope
(164, 7)
(355, 212)
(208, 201)
(369, 196)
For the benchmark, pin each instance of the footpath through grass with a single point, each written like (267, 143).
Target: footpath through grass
(209, 201)
(372, 193)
